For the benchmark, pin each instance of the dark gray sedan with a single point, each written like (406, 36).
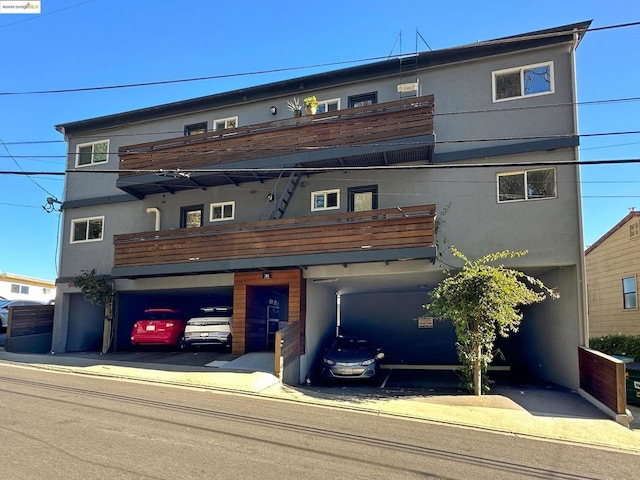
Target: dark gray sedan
(350, 357)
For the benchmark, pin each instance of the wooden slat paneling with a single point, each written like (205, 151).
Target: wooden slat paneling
(348, 232)
(243, 319)
(603, 377)
(30, 320)
(363, 125)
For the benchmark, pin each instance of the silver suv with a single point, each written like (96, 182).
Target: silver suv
(213, 327)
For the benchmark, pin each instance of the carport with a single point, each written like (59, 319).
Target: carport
(384, 304)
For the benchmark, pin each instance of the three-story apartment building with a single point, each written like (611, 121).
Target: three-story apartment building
(343, 218)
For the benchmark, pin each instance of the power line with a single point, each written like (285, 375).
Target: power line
(18, 165)
(311, 170)
(151, 150)
(41, 15)
(435, 114)
(320, 65)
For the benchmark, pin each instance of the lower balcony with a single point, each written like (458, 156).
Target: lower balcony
(373, 236)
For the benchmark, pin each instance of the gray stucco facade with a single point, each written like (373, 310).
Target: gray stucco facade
(475, 140)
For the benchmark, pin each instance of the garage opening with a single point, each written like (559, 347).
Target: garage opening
(189, 301)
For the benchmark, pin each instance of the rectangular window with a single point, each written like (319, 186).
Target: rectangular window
(328, 105)
(363, 99)
(527, 185)
(634, 229)
(325, 200)
(15, 288)
(629, 293)
(24, 289)
(362, 198)
(222, 211)
(195, 129)
(191, 217)
(224, 123)
(92, 153)
(87, 229)
(521, 82)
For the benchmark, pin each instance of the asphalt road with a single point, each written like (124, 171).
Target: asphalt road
(61, 426)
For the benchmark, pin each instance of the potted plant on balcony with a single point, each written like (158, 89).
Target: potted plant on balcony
(311, 104)
(295, 107)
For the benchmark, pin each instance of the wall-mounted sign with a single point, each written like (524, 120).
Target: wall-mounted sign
(425, 322)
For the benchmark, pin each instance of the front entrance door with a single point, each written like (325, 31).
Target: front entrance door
(266, 312)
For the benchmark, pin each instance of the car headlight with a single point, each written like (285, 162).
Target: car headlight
(328, 361)
(368, 362)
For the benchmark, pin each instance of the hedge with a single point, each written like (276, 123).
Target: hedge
(621, 345)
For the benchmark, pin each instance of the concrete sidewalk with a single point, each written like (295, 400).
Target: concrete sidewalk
(559, 416)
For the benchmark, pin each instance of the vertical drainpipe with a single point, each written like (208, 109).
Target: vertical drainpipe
(337, 314)
(157, 215)
(583, 311)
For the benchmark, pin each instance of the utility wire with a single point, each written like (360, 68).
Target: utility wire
(430, 166)
(320, 65)
(150, 151)
(42, 15)
(435, 114)
(28, 176)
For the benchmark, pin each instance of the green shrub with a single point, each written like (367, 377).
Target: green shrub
(622, 345)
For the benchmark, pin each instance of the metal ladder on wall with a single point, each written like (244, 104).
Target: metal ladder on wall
(282, 199)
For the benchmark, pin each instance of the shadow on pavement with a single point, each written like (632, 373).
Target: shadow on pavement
(445, 387)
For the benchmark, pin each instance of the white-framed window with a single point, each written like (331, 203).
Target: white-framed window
(527, 81)
(325, 200)
(629, 297)
(223, 123)
(221, 211)
(92, 153)
(87, 229)
(527, 185)
(328, 105)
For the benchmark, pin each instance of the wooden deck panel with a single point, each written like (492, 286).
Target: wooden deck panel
(294, 238)
(357, 126)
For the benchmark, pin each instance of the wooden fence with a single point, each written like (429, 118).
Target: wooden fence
(602, 377)
(29, 329)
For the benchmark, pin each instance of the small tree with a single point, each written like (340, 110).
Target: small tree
(99, 291)
(483, 300)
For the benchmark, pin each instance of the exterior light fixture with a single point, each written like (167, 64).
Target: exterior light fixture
(274, 110)
(266, 276)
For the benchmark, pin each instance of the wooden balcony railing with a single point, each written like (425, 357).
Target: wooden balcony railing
(355, 232)
(367, 125)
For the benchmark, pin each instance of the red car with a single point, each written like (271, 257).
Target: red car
(158, 326)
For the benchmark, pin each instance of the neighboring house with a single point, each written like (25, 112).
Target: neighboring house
(19, 287)
(310, 222)
(612, 266)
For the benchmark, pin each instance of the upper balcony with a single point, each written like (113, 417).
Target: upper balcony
(361, 136)
(354, 237)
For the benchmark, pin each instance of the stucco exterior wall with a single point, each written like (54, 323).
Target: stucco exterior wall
(320, 326)
(551, 331)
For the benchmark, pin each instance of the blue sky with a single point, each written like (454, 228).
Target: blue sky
(76, 44)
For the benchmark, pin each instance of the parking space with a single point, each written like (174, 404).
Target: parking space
(538, 398)
(197, 357)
